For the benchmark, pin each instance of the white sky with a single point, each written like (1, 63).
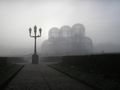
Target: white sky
(101, 19)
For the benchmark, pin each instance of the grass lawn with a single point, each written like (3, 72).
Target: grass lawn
(7, 72)
(98, 81)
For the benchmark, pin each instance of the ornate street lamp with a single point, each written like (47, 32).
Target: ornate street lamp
(35, 57)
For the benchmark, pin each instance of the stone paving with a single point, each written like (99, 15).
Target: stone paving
(42, 77)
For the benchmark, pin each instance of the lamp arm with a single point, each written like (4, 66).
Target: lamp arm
(32, 36)
(38, 36)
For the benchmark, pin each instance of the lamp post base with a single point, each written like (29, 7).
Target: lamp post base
(35, 59)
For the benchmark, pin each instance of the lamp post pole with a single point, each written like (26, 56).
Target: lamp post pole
(35, 57)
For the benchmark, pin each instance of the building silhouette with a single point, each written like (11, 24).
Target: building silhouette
(67, 41)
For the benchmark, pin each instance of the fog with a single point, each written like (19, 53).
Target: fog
(101, 19)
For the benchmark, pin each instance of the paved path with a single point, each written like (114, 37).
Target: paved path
(42, 77)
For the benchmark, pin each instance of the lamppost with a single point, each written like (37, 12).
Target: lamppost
(35, 57)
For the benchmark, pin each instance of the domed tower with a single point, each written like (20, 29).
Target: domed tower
(65, 31)
(53, 33)
(64, 37)
(78, 33)
(78, 30)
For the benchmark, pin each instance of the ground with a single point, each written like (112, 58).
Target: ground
(42, 77)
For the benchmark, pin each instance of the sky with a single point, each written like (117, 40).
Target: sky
(101, 19)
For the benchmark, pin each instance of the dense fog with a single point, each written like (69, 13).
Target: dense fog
(99, 18)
